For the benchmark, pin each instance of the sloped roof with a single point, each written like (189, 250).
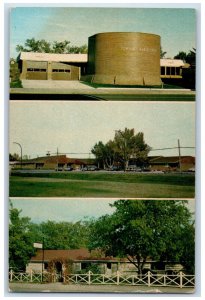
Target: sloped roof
(62, 158)
(166, 62)
(73, 254)
(82, 254)
(73, 58)
(171, 159)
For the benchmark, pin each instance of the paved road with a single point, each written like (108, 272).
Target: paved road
(61, 288)
(76, 90)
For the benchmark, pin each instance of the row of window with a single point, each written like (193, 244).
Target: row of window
(36, 70)
(44, 70)
(164, 70)
(170, 71)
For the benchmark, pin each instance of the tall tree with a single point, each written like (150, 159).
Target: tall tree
(146, 228)
(162, 53)
(125, 145)
(20, 240)
(61, 235)
(130, 145)
(181, 55)
(42, 46)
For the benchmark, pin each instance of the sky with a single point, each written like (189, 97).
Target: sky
(75, 127)
(176, 26)
(68, 210)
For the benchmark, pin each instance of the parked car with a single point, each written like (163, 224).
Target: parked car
(90, 168)
(68, 168)
(134, 168)
(59, 169)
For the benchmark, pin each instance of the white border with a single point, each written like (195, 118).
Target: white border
(200, 139)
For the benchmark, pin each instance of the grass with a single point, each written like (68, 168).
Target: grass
(102, 185)
(165, 86)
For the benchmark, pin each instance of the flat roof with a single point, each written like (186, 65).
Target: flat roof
(35, 56)
(167, 62)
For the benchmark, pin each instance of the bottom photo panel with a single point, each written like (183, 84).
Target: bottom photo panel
(77, 245)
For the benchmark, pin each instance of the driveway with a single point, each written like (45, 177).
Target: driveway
(55, 84)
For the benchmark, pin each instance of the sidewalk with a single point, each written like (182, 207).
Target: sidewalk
(65, 288)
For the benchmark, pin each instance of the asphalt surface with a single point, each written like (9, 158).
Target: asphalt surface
(64, 288)
(76, 90)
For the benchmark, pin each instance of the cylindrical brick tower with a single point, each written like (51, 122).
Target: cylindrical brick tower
(124, 58)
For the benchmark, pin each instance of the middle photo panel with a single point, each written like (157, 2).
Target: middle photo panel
(115, 149)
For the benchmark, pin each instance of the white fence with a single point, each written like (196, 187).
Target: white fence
(180, 280)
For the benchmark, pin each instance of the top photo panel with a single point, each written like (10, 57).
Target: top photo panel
(102, 54)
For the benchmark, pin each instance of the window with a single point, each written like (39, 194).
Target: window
(168, 71)
(172, 70)
(61, 70)
(109, 265)
(162, 70)
(177, 71)
(36, 70)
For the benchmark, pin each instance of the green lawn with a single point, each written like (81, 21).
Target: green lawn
(123, 185)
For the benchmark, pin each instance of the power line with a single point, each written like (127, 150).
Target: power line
(172, 148)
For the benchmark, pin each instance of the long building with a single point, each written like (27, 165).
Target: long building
(118, 58)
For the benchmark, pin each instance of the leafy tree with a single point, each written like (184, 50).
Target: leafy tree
(146, 228)
(130, 145)
(189, 57)
(20, 240)
(61, 235)
(99, 151)
(104, 153)
(181, 55)
(14, 157)
(42, 46)
(125, 146)
(162, 53)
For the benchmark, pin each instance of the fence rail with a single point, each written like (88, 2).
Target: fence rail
(180, 280)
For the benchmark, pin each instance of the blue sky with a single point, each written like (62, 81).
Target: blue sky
(69, 210)
(175, 26)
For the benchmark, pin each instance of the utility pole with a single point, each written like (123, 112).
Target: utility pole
(42, 258)
(179, 151)
(57, 159)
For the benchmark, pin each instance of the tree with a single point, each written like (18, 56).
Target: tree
(61, 235)
(42, 46)
(14, 157)
(125, 146)
(189, 57)
(104, 153)
(162, 53)
(20, 240)
(130, 145)
(181, 55)
(146, 228)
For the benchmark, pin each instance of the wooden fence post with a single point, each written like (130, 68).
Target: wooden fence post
(181, 279)
(148, 277)
(118, 278)
(89, 277)
(31, 275)
(164, 279)
(11, 275)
